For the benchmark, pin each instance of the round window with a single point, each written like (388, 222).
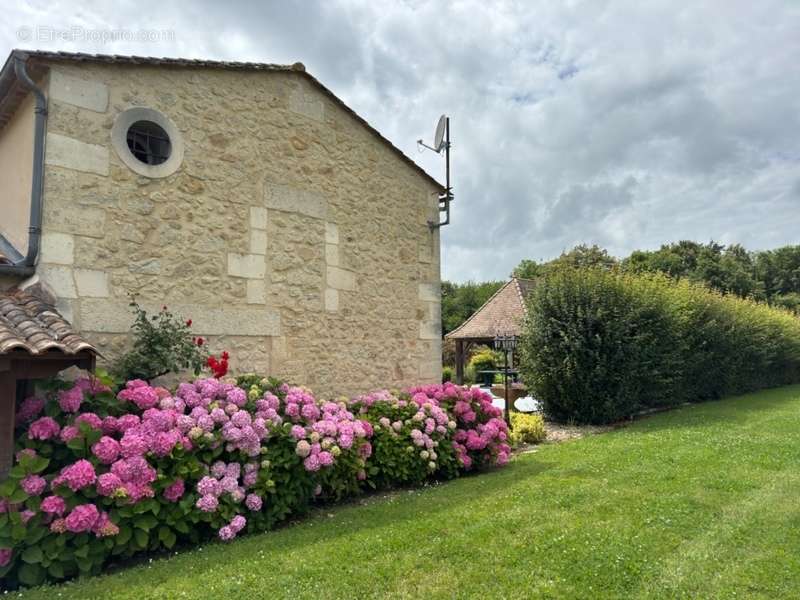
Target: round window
(148, 142)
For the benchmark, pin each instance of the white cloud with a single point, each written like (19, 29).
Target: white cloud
(626, 124)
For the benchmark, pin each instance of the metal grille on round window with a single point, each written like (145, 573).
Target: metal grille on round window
(149, 143)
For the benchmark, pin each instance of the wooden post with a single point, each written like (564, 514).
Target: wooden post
(8, 400)
(460, 362)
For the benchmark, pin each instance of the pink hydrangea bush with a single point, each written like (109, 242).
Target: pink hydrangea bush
(480, 436)
(411, 439)
(331, 440)
(146, 468)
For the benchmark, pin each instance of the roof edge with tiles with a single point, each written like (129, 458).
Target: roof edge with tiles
(468, 330)
(28, 324)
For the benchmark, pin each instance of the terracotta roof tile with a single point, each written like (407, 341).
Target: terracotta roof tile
(502, 314)
(27, 323)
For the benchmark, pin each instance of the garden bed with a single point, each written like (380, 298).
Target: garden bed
(698, 502)
(103, 477)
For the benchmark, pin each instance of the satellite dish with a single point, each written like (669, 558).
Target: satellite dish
(438, 138)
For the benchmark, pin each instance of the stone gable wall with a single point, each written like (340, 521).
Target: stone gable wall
(290, 234)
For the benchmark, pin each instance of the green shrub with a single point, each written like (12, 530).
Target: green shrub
(789, 301)
(448, 374)
(162, 343)
(600, 346)
(527, 428)
(469, 375)
(485, 360)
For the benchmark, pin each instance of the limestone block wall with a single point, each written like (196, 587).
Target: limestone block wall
(290, 234)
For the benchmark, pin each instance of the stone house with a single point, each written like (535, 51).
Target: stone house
(246, 197)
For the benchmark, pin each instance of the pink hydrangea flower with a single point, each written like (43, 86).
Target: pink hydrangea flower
(70, 400)
(238, 523)
(126, 422)
(165, 441)
(91, 385)
(106, 449)
(311, 463)
(365, 450)
(70, 432)
(241, 418)
(209, 486)
(44, 428)
(303, 449)
(253, 502)
(250, 479)
(207, 503)
(53, 505)
(103, 527)
(5, 556)
(325, 458)
(142, 396)
(82, 518)
(26, 515)
(139, 470)
(137, 491)
(175, 491)
(29, 409)
(226, 533)
(229, 484)
(77, 475)
(109, 425)
(33, 485)
(108, 484)
(218, 469)
(132, 444)
(58, 526)
(237, 396)
(91, 419)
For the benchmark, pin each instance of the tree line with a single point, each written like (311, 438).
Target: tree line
(771, 276)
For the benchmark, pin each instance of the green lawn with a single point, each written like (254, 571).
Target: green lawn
(701, 502)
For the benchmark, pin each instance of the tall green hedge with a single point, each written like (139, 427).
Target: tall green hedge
(600, 346)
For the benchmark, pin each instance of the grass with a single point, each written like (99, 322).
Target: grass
(700, 502)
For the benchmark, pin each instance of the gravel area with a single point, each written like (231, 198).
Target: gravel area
(560, 433)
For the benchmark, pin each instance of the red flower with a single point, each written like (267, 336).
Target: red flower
(189, 323)
(225, 355)
(199, 341)
(219, 368)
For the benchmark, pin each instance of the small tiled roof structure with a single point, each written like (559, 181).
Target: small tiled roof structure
(36, 342)
(30, 324)
(502, 314)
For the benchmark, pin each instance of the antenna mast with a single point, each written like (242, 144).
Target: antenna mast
(442, 142)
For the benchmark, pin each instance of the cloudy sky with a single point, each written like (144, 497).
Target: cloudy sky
(625, 124)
